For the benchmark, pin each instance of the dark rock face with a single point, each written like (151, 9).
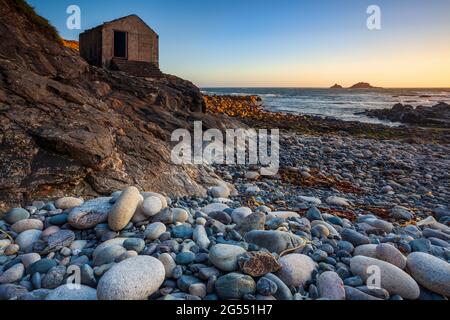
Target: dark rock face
(67, 128)
(362, 85)
(438, 115)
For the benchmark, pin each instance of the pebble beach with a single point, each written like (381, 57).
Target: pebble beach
(337, 207)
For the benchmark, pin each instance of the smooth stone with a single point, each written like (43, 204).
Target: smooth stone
(127, 255)
(162, 198)
(338, 201)
(332, 230)
(29, 258)
(28, 224)
(154, 230)
(222, 217)
(58, 220)
(108, 255)
(254, 221)
(42, 266)
(282, 215)
(296, 269)
(252, 175)
(54, 277)
(13, 274)
(312, 200)
(57, 241)
(124, 209)
(90, 214)
(401, 213)
(72, 293)
(430, 272)
(198, 290)
(27, 239)
(11, 291)
(168, 263)
(283, 293)
(225, 257)
(4, 243)
(266, 287)
(235, 286)
(185, 258)
(214, 207)
(15, 215)
(68, 203)
(239, 214)
(219, 192)
(184, 282)
(391, 254)
(313, 214)
(354, 237)
(134, 244)
(331, 286)
(274, 241)
(12, 249)
(136, 278)
(78, 245)
(35, 295)
(381, 224)
(367, 250)
(201, 237)
(420, 245)
(112, 242)
(49, 231)
(179, 215)
(183, 231)
(88, 276)
(393, 279)
(354, 294)
(151, 206)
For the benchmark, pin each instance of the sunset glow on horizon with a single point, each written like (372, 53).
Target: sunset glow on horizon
(286, 43)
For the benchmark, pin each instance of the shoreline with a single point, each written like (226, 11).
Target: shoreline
(249, 110)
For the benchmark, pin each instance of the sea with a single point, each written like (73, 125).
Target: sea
(343, 104)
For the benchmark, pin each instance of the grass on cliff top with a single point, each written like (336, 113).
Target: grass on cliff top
(41, 23)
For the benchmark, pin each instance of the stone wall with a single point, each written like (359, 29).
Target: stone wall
(141, 40)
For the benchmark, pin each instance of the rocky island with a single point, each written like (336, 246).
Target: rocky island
(87, 187)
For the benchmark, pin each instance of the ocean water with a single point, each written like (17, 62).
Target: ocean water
(344, 104)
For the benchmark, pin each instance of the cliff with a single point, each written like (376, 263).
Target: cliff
(67, 128)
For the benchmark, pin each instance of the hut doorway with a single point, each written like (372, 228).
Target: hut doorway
(120, 44)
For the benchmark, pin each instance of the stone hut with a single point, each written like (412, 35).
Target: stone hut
(126, 44)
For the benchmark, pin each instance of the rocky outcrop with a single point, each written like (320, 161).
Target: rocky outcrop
(336, 86)
(438, 115)
(363, 85)
(67, 128)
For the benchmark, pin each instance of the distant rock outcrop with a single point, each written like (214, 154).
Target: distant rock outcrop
(337, 86)
(436, 116)
(363, 85)
(67, 128)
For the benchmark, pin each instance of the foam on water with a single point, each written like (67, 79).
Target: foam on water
(343, 104)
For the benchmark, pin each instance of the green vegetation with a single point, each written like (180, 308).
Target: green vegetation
(42, 24)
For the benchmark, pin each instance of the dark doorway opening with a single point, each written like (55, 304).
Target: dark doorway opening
(120, 44)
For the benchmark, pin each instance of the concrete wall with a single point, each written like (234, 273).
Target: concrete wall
(142, 42)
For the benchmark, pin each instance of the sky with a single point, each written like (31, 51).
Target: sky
(285, 43)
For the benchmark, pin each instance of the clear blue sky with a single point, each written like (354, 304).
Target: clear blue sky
(313, 43)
